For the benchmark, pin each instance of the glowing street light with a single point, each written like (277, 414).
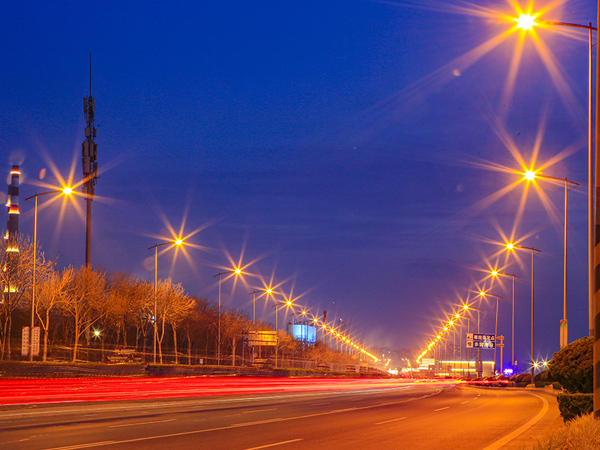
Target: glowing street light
(510, 246)
(568, 186)
(526, 22)
(483, 294)
(64, 191)
(267, 291)
(236, 271)
(467, 307)
(495, 273)
(288, 303)
(177, 242)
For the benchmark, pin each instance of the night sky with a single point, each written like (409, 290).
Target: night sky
(347, 148)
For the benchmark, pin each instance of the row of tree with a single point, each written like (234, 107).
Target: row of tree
(71, 302)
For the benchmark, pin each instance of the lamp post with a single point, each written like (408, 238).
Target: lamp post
(479, 311)
(237, 272)
(496, 273)
(531, 175)
(593, 204)
(65, 191)
(287, 303)
(526, 22)
(253, 294)
(177, 242)
(483, 294)
(511, 246)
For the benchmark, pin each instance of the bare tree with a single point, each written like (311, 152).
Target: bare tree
(16, 263)
(52, 288)
(167, 295)
(86, 301)
(180, 307)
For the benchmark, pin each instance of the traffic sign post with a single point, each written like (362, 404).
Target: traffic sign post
(480, 341)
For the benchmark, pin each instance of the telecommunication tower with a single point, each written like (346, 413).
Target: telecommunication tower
(89, 152)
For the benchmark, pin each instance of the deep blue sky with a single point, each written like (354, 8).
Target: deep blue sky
(335, 140)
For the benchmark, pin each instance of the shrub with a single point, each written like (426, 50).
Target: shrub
(575, 405)
(523, 378)
(544, 376)
(582, 433)
(572, 366)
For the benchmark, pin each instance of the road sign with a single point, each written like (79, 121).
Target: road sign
(481, 340)
(262, 338)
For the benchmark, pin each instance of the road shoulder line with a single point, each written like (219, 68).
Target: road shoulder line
(509, 437)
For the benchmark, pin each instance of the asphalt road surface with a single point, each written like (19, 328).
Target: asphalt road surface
(284, 415)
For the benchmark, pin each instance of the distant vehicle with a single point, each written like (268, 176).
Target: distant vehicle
(501, 381)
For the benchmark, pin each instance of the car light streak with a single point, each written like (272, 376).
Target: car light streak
(61, 391)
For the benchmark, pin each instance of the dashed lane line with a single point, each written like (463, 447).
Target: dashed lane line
(392, 420)
(273, 445)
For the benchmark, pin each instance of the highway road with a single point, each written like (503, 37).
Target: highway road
(357, 414)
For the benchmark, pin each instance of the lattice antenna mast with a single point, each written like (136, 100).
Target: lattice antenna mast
(89, 152)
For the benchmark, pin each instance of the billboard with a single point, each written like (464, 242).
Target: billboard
(304, 333)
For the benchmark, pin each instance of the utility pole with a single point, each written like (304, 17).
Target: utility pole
(89, 152)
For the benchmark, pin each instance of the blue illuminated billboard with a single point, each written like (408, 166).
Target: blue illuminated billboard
(304, 333)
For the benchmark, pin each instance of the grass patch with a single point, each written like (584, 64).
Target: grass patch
(582, 433)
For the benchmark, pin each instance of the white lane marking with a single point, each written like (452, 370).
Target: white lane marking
(462, 403)
(228, 427)
(258, 422)
(312, 404)
(392, 420)
(93, 444)
(140, 423)
(258, 410)
(441, 409)
(273, 445)
(509, 437)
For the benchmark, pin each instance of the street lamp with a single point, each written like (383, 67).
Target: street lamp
(287, 303)
(495, 273)
(178, 242)
(253, 294)
(236, 271)
(591, 183)
(569, 185)
(64, 191)
(511, 246)
(483, 294)
(479, 311)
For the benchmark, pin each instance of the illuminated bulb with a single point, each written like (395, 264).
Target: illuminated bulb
(510, 246)
(525, 22)
(494, 273)
(237, 271)
(178, 242)
(67, 191)
(482, 293)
